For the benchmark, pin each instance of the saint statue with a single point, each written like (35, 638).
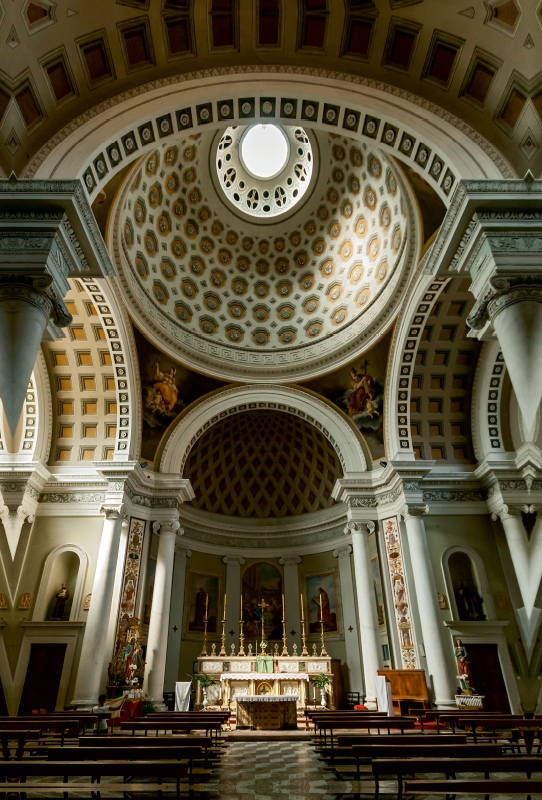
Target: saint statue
(61, 597)
(463, 666)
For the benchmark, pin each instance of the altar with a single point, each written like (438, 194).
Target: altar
(267, 712)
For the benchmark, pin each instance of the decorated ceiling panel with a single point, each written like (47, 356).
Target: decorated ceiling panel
(263, 464)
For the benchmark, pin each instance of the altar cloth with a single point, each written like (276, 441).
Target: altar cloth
(266, 712)
(280, 676)
(266, 698)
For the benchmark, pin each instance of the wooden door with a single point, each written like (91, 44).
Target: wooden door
(487, 676)
(42, 680)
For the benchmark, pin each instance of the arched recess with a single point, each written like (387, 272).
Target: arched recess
(45, 590)
(479, 576)
(103, 140)
(487, 434)
(253, 397)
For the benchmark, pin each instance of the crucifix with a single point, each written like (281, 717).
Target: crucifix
(263, 606)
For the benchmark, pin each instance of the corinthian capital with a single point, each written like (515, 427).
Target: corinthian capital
(352, 527)
(506, 512)
(113, 512)
(414, 511)
(167, 526)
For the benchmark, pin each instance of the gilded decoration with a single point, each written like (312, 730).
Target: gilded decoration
(399, 590)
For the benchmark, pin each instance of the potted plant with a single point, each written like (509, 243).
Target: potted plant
(321, 681)
(148, 708)
(204, 681)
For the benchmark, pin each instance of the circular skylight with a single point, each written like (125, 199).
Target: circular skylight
(264, 170)
(264, 151)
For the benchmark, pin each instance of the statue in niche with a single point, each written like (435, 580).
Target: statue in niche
(469, 603)
(62, 597)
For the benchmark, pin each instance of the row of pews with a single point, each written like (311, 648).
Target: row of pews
(62, 751)
(374, 752)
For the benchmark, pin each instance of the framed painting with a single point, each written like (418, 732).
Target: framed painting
(378, 591)
(322, 602)
(201, 598)
(262, 601)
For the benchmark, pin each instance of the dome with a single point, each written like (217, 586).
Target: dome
(269, 293)
(263, 464)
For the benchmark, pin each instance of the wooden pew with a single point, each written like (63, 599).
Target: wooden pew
(26, 768)
(143, 753)
(450, 767)
(114, 742)
(395, 751)
(384, 723)
(500, 723)
(63, 727)
(523, 788)
(193, 725)
(452, 719)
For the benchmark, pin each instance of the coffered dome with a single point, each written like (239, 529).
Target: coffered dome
(260, 292)
(263, 464)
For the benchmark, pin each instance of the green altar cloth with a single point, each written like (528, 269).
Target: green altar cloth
(264, 663)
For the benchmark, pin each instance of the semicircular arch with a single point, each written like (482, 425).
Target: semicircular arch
(262, 397)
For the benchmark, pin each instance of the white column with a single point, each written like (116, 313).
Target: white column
(233, 599)
(94, 651)
(176, 618)
(351, 631)
(437, 646)
(159, 623)
(292, 600)
(115, 599)
(525, 554)
(371, 647)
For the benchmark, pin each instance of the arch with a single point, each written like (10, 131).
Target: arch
(40, 607)
(479, 574)
(487, 435)
(260, 396)
(360, 108)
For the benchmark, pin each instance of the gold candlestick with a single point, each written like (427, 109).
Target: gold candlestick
(284, 646)
(204, 648)
(323, 651)
(241, 634)
(304, 651)
(223, 637)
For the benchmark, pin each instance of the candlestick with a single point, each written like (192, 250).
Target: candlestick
(241, 634)
(323, 651)
(304, 651)
(284, 646)
(223, 637)
(204, 648)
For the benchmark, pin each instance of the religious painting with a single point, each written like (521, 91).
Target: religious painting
(126, 617)
(358, 390)
(24, 601)
(3, 602)
(322, 605)
(202, 596)
(167, 388)
(262, 601)
(378, 591)
(399, 590)
(149, 590)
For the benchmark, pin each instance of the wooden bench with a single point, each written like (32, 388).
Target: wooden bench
(384, 723)
(63, 727)
(395, 751)
(15, 774)
(98, 743)
(452, 719)
(502, 724)
(449, 767)
(143, 753)
(84, 718)
(523, 788)
(193, 725)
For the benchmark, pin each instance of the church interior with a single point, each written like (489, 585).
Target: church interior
(270, 438)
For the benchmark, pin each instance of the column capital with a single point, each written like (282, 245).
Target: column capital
(167, 526)
(344, 551)
(233, 560)
(182, 551)
(352, 527)
(414, 511)
(290, 561)
(113, 512)
(506, 512)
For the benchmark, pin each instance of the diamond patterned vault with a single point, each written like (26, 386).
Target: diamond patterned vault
(263, 464)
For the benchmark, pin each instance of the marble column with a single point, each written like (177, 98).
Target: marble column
(176, 618)
(369, 632)
(527, 562)
(88, 685)
(438, 647)
(159, 623)
(351, 629)
(292, 600)
(233, 599)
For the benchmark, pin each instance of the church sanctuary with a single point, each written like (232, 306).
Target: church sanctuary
(270, 385)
